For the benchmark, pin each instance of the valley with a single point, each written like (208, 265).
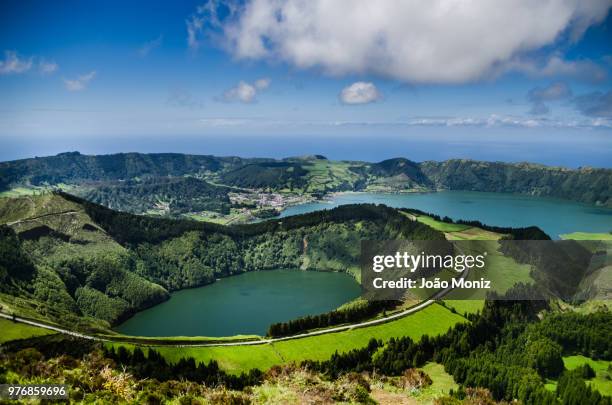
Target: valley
(122, 259)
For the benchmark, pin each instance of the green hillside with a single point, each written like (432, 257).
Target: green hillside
(78, 263)
(309, 174)
(162, 195)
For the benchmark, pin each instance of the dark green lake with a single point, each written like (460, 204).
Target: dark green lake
(249, 303)
(554, 216)
(244, 304)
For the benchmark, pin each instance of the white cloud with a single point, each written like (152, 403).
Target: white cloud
(415, 41)
(13, 64)
(195, 27)
(47, 67)
(246, 92)
(263, 83)
(491, 121)
(80, 83)
(360, 93)
(147, 47)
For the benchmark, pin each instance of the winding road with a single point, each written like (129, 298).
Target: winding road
(372, 322)
(169, 343)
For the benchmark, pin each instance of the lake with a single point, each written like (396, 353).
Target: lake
(244, 304)
(250, 302)
(554, 216)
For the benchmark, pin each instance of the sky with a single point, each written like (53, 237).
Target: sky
(516, 80)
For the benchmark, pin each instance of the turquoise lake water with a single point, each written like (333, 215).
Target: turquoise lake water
(554, 216)
(249, 303)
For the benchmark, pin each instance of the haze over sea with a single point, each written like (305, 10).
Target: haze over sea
(560, 149)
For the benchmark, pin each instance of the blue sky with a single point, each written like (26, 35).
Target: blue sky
(361, 80)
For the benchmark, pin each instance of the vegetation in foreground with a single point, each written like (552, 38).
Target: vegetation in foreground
(506, 353)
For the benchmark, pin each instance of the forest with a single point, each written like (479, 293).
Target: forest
(589, 185)
(175, 195)
(137, 260)
(505, 349)
(509, 351)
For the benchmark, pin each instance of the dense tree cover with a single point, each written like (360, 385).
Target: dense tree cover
(14, 263)
(154, 365)
(73, 167)
(267, 175)
(328, 240)
(574, 391)
(506, 349)
(98, 376)
(351, 314)
(129, 229)
(178, 194)
(588, 335)
(86, 273)
(393, 167)
(584, 184)
(104, 285)
(559, 267)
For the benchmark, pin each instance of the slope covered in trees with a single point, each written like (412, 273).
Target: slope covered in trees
(109, 264)
(587, 185)
(506, 350)
(174, 195)
(267, 175)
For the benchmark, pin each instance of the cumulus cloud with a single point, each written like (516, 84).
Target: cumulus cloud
(147, 47)
(47, 67)
(539, 96)
(80, 83)
(596, 104)
(360, 93)
(414, 41)
(246, 92)
(14, 64)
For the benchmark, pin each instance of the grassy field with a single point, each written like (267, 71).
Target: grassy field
(14, 331)
(458, 231)
(442, 383)
(441, 226)
(324, 175)
(25, 191)
(464, 307)
(432, 320)
(587, 236)
(473, 234)
(603, 372)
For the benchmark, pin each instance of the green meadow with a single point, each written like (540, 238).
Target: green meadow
(587, 236)
(603, 372)
(442, 383)
(16, 331)
(432, 320)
